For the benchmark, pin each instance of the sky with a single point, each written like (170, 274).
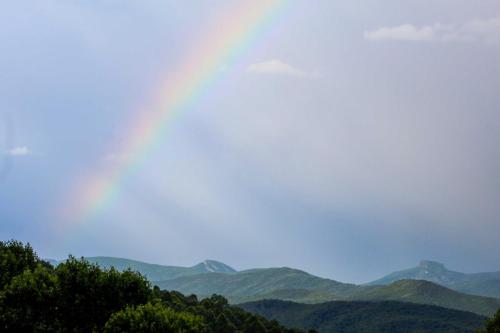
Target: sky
(348, 138)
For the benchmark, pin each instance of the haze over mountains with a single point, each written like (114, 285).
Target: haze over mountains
(429, 283)
(298, 286)
(483, 284)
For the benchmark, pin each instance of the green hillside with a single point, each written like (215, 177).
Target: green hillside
(483, 287)
(482, 284)
(298, 286)
(295, 295)
(367, 317)
(256, 283)
(211, 277)
(425, 292)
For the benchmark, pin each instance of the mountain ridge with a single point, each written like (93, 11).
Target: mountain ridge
(298, 286)
(368, 317)
(254, 282)
(483, 284)
(155, 272)
(285, 283)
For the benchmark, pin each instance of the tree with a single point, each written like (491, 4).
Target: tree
(88, 295)
(254, 325)
(15, 258)
(223, 325)
(78, 296)
(152, 318)
(492, 325)
(28, 302)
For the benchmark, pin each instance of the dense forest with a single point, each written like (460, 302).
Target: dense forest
(77, 296)
(367, 316)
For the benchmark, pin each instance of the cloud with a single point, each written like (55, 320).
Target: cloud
(403, 32)
(277, 67)
(18, 151)
(486, 31)
(483, 30)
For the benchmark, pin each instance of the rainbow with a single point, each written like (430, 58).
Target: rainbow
(229, 37)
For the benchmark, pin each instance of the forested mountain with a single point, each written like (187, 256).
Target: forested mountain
(295, 285)
(259, 283)
(483, 284)
(367, 317)
(80, 296)
(425, 292)
(156, 272)
(212, 277)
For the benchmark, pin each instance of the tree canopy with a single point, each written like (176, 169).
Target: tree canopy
(77, 296)
(492, 325)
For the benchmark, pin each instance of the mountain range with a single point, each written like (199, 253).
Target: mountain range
(299, 286)
(483, 284)
(426, 284)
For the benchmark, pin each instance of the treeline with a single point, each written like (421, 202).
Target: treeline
(371, 317)
(77, 296)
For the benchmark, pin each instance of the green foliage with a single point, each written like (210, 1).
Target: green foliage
(28, 303)
(367, 317)
(75, 296)
(219, 316)
(150, 318)
(88, 295)
(78, 296)
(492, 325)
(15, 257)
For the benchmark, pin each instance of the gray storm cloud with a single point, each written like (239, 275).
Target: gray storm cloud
(386, 155)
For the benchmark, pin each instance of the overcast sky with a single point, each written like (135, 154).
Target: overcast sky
(352, 138)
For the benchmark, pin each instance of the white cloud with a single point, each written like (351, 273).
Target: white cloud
(402, 32)
(486, 31)
(18, 151)
(277, 67)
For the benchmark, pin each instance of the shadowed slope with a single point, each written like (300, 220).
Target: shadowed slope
(367, 317)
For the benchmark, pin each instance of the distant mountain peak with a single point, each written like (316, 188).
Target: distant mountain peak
(212, 266)
(432, 271)
(482, 284)
(432, 265)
